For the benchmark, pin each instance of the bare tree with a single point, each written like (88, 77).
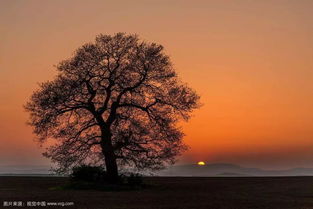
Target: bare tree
(116, 101)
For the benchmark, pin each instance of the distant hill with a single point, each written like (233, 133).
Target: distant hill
(25, 170)
(225, 169)
(230, 174)
(215, 169)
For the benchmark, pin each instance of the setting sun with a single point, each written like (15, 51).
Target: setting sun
(201, 163)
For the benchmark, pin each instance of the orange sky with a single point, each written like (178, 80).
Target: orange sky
(251, 62)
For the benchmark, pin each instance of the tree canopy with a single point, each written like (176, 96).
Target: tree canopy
(116, 101)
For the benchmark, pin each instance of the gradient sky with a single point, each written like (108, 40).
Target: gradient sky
(251, 61)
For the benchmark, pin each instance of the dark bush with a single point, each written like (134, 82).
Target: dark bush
(88, 173)
(134, 179)
(86, 177)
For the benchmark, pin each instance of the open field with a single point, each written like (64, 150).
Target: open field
(170, 193)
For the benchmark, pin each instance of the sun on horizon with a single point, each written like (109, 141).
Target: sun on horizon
(201, 163)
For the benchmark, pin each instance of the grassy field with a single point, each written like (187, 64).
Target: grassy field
(168, 193)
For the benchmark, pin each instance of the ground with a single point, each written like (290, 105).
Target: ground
(168, 193)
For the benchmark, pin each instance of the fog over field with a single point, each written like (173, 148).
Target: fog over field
(214, 169)
(25, 169)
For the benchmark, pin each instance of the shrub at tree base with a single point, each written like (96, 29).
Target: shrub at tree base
(95, 177)
(88, 173)
(134, 180)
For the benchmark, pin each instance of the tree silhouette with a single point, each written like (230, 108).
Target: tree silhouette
(116, 101)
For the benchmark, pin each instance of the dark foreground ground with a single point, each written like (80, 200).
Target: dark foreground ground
(175, 192)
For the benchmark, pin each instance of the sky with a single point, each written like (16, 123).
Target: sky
(250, 61)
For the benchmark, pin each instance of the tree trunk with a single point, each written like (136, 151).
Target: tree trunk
(111, 166)
(110, 159)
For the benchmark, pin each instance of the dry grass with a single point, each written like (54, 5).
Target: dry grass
(170, 193)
